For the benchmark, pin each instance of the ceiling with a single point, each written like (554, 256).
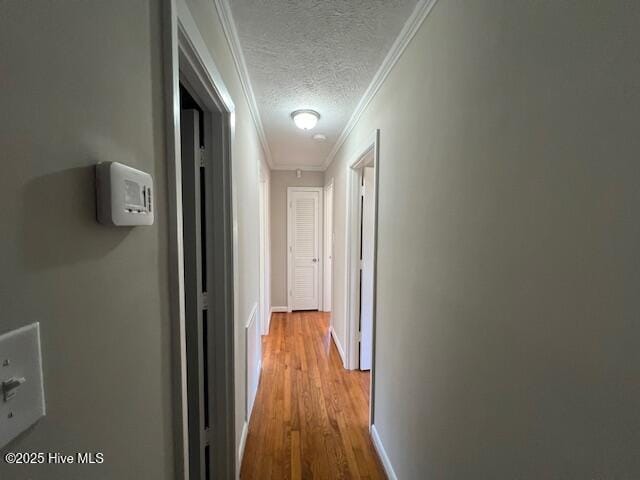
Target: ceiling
(313, 54)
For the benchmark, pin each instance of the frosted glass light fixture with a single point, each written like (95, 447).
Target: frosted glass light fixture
(305, 119)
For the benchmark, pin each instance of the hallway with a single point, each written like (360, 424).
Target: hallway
(456, 182)
(310, 418)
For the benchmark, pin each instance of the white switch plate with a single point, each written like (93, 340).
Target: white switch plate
(20, 357)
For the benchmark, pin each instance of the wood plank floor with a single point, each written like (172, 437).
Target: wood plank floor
(310, 419)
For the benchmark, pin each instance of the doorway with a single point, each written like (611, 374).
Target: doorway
(204, 304)
(304, 239)
(367, 213)
(197, 250)
(200, 222)
(361, 254)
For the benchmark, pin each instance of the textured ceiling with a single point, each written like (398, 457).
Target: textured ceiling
(318, 54)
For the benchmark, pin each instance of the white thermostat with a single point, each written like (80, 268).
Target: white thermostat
(124, 195)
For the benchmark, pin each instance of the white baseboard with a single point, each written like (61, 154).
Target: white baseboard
(252, 359)
(243, 442)
(386, 463)
(268, 326)
(338, 346)
(279, 309)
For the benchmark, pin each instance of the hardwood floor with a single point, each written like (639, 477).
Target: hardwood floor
(310, 419)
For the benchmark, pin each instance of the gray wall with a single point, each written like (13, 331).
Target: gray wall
(280, 181)
(82, 83)
(509, 265)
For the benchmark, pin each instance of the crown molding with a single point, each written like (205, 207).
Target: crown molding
(304, 168)
(419, 14)
(231, 34)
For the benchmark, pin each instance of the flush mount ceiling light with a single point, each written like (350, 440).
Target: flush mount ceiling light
(319, 137)
(305, 119)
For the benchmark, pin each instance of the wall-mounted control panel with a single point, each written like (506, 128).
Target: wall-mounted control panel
(21, 388)
(124, 195)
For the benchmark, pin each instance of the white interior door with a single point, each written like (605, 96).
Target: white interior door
(304, 248)
(366, 278)
(328, 247)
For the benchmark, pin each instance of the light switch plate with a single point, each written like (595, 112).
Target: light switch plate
(20, 357)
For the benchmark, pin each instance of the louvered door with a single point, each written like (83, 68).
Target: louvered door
(304, 249)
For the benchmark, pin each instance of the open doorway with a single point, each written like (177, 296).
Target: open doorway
(361, 244)
(202, 263)
(203, 274)
(367, 213)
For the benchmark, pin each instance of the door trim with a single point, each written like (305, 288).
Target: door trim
(186, 58)
(352, 246)
(320, 191)
(265, 250)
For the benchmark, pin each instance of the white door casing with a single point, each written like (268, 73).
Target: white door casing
(366, 300)
(304, 247)
(265, 290)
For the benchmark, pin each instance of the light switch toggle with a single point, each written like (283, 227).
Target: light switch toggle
(10, 387)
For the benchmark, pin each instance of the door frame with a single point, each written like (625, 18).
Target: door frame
(265, 251)
(320, 191)
(187, 59)
(327, 236)
(352, 244)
